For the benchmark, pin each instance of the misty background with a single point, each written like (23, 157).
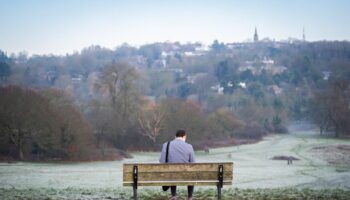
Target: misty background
(105, 101)
(253, 82)
(60, 27)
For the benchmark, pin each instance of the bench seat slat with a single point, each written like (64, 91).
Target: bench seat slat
(177, 167)
(154, 176)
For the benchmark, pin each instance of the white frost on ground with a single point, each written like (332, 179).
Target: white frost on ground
(253, 167)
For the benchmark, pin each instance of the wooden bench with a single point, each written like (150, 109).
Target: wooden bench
(166, 174)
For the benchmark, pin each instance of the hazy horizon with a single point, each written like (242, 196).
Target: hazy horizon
(61, 27)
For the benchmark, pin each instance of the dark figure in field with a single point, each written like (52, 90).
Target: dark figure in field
(290, 160)
(178, 151)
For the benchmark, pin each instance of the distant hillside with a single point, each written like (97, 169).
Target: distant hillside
(134, 98)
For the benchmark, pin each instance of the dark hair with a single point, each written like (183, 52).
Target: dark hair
(180, 133)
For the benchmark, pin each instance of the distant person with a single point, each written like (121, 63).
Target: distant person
(178, 151)
(290, 160)
(206, 150)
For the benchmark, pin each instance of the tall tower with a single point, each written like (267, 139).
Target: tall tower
(256, 38)
(304, 34)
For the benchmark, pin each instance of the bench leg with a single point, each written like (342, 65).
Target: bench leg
(135, 194)
(219, 192)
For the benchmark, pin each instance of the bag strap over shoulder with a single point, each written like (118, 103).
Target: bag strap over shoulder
(167, 152)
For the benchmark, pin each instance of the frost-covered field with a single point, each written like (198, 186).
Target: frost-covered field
(253, 167)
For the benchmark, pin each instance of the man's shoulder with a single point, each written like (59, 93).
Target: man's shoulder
(189, 145)
(165, 144)
(180, 143)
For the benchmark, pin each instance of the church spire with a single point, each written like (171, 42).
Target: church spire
(304, 34)
(256, 37)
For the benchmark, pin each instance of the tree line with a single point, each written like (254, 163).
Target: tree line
(100, 103)
(46, 123)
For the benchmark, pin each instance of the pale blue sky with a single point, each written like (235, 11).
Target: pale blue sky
(64, 26)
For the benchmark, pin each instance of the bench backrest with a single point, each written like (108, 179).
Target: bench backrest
(152, 174)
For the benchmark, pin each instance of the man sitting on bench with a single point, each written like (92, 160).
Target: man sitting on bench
(178, 151)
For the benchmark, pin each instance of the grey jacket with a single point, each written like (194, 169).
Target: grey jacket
(179, 152)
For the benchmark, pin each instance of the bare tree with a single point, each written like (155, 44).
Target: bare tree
(330, 107)
(117, 81)
(101, 118)
(47, 124)
(23, 114)
(150, 120)
(74, 134)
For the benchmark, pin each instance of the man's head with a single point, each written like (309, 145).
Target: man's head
(181, 134)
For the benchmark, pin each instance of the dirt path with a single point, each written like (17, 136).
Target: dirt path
(255, 169)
